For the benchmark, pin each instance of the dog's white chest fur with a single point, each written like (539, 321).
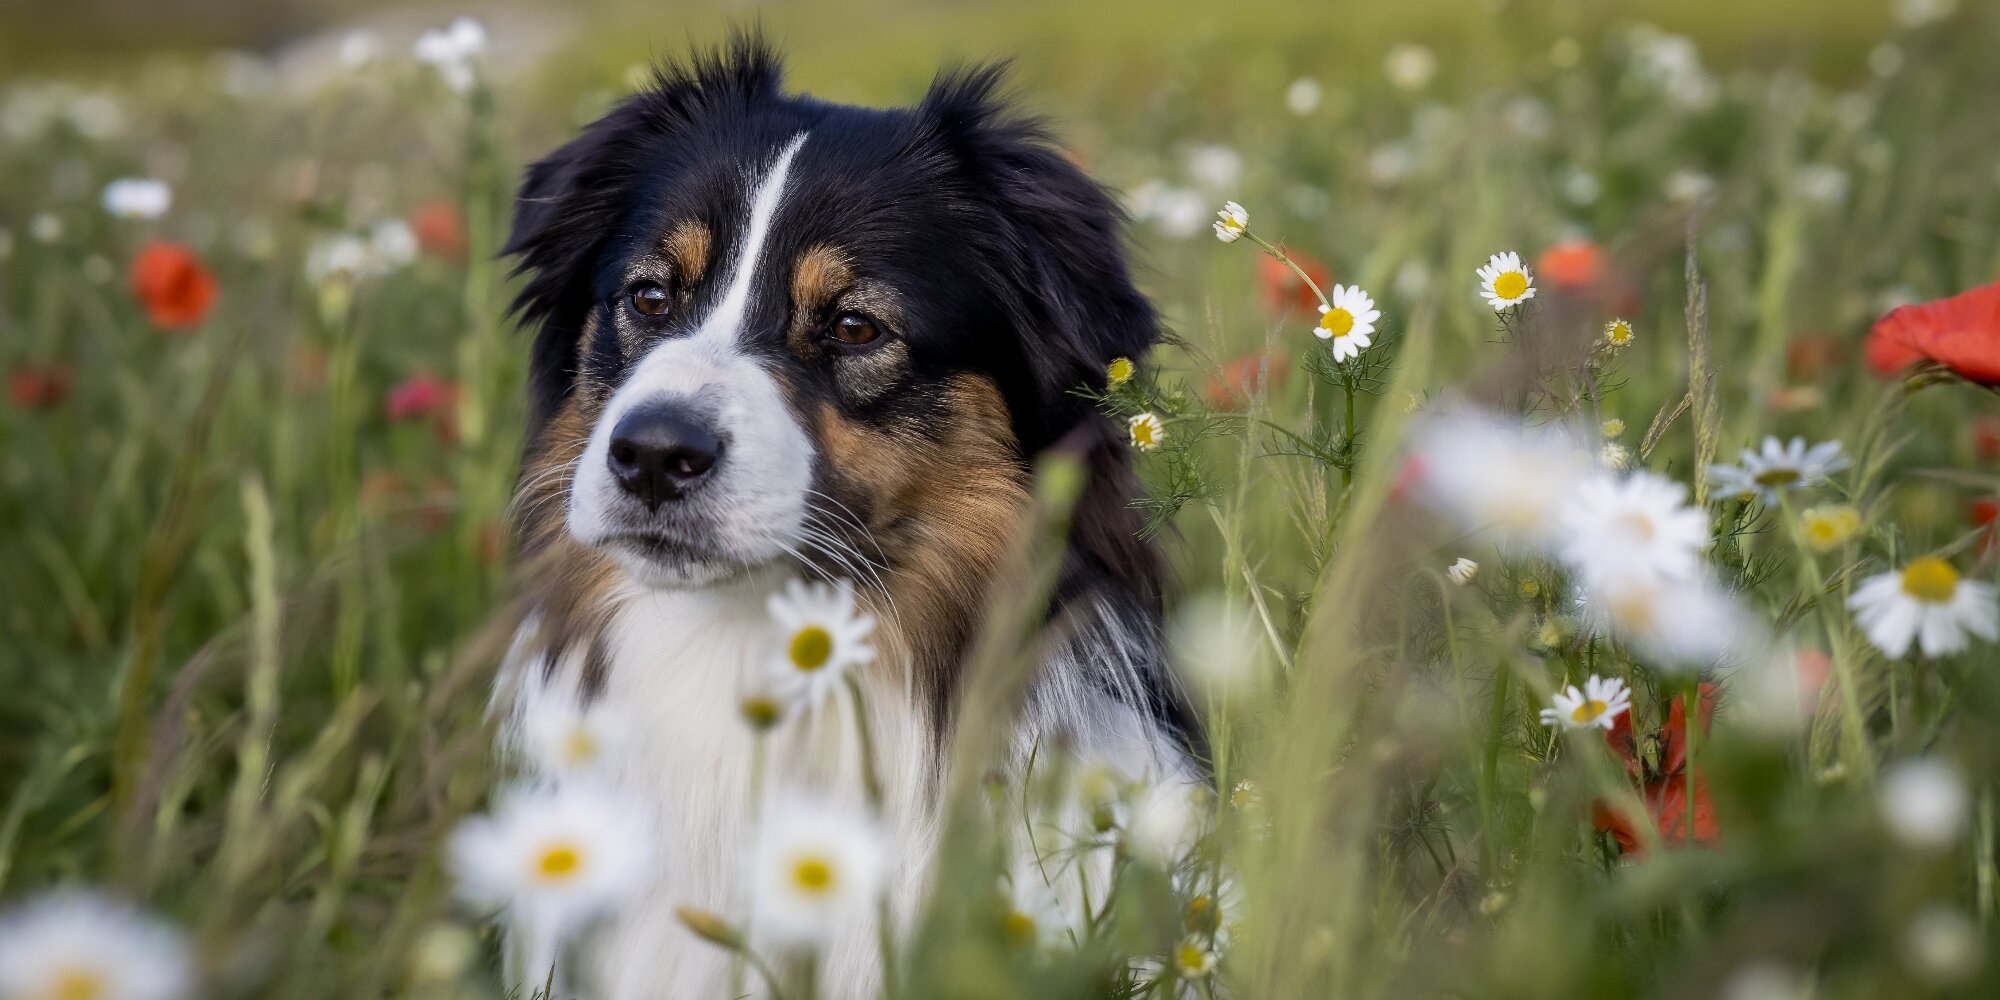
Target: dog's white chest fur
(676, 664)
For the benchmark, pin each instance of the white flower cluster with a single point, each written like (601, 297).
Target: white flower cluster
(454, 52)
(388, 245)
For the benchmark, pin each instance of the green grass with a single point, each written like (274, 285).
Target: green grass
(250, 621)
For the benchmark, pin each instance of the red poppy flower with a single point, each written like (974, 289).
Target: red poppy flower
(1962, 333)
(1810, 357)
(173, 285)
(1662, 778)
(425, 396)
(1983, 512)
(1986, 437)
(1577, 263)
(39, 387)
(1283, 293)
(440, 230)
(1247, 376)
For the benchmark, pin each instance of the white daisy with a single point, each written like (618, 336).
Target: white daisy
(1674, 623)
(1462, 571)
(1166, 821)
(452, 51)
(554, 857)
(567, 739)
(1778, 467)
(1492, 473)
(1924, 803)
(815, 867)
(74, 945)
(1505, 281)
(1032, 914)
(1637, 525)
(1599, 703)
(1928, 603)
(1231, 222)
(1147, 431)
(138, 198)
(1211, 904)
(821, 634)
(1614, 456)
(1193, 959)
(1348, 321)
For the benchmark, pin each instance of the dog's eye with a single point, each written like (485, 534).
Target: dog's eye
(854, 330)
(650, 299)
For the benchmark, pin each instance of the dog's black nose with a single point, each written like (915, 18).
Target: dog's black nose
(658, 452)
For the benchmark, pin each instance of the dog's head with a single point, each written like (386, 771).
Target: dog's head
(771, 327)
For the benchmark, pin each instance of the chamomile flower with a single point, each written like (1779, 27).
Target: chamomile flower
(1118, 372)
(556, 857)
(453, 51)
(1618, 334)
(1231, 222)
(1505, 281)
(1462, 571)
(1924, 803)
(1926, 603)
(1348, 321)
(1147, 431)
(1675, 624)
(1598, 703)
(1031, 912)
(1166, 822)
(1633, 526)
(1211, 904)
(1614, 455)
(1193, 959)
(821, 634)
(1494, 474)
(1829, 527)
(1777, 467)
(1612, 428)
(138, 198)
(79, 946)
(567, 739)
(814, 867)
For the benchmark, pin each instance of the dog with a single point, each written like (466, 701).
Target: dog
(774, 338)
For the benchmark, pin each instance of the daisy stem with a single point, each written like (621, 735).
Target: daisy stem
(1280, 257)
(885, 932)
(1853, 725)
(1489, 766)
(1691, 712)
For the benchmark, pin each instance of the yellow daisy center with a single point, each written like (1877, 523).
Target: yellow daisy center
(1640, 526)
(813, 875)
(1619, 334)
(1119, 373)
(1337, 322)
(1191, 959)
(1632, 611)
(580, 746)
(1018, 929)
(78, 984)
(1930, 579)
(812, 646)
(1778, 477)
(1142, 433)
(1588, 711)
(1201, 915)
(761, 711)
(559, 862)
(1510, 285)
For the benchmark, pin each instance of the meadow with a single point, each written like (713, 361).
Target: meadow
(265, 413)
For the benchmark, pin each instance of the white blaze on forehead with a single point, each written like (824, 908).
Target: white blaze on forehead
(728, 314)
(752, 506)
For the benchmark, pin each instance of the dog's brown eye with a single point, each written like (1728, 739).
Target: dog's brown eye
(855, 330)
(650, 300)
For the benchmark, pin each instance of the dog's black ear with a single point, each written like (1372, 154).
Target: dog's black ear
(575, 200)
(1057, 240)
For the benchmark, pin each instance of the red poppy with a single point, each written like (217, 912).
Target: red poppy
(425, 396)
(1986, 437)
(1962, 333)
(1284, 294)
(1662, 779)
(39, 387)
(1247, 376)
(173, 285)
(1810, 357)
(1577, 263)
(1983, 512)
(440, 230)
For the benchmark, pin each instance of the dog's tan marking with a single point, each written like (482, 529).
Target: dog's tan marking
(686, 247)
(569, 585)
(821, 275)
